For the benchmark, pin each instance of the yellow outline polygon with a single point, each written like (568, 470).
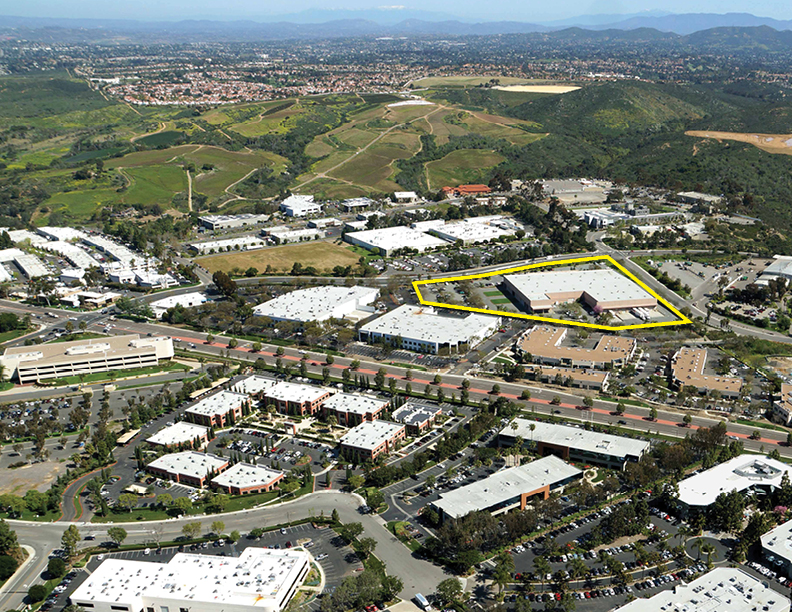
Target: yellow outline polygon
(683, 320)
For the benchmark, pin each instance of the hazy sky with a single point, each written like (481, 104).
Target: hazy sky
(522, 10)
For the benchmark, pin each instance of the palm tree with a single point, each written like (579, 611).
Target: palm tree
(532, 426)
(699, 546)
(577, 568)
(542, 568)
(709, 549)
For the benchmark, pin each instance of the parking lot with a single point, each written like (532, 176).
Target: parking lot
(336, 559)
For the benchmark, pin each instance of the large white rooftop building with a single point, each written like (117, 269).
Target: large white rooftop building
(245, 478)
(420, 328)
(390, 239)
(602, 290)
(187, 300)
(476, 229)
(65, 234)
(261, 579)
(744, 473)
(300, 206)
(216, 222)
(724, 589)
(371, 439)
(189, 467)
(777, 547)
(238, 243)
(30, 265)
(574, 444)
(319, 304)
(180, 432)
(75, 254)
(508, 489)
(780, 268)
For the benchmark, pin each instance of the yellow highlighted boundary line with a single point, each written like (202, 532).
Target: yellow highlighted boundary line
(683, 320)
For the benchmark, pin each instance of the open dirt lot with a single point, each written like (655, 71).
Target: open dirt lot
(320, 255)
(39, 476)
(772, 143)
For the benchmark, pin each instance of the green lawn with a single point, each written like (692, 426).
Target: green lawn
(77, 336)
(494, 293)
(102, 376)
(501, 301)
(10, 335)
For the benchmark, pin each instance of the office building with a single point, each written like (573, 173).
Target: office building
(724, 589)
(509, 489)
(596, 380)
(261, 579)
(300, 206)
(185, 300)
(574, 443)
(543, 344)
(218, 410)
(218, 222)
(245, 479)
(777, 548)
(238, 243)
(180, 432)
(352, 409)
(40, 362)
(189, 467)
(782, 407)
(421, 329)
(687, 370)
(295, 398)
(418, 418)
(370, 440)
(752, 474)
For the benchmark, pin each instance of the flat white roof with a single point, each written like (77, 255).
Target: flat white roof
(353, 403)
(61, 233)
(371, 434)
(317, 303)
(240, 242)
(185, 299)
(424, 324)
(506, 485)
(189, 463)
(740, 474)
(392, 238)
(217, 404)
(782, 266)
(295, 392)
(245, 475)
(581, 439)
(251, 385)
(604, 285)
(260, 578)
(724, 589)
(778, 541)
(178, 433)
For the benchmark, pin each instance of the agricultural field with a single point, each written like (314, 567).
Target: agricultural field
(321, 255)
(460, 167)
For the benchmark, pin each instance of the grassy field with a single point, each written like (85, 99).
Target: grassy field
(461, 166)
(468, 81)
(321, 255)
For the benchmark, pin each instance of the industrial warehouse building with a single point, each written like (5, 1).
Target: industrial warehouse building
(190, 467)
(218, 222)
(390, 239)
(602, 290)
(320, 304)
(294, 398)
(721, 590)
(300, 206)
(30, 364)
(420, 328)
(747, 473)
(181, 432)
(508, 489)
(574, 444)
(245, 478)
(371, 439)
(202, 583)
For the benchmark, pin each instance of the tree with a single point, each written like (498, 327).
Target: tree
(496, 389)
(621, 408)
(117, 535)
(366, 546)
(356, 481)
(448, 591)
(209, 338)
(8, 565)
(37, 593)
(56, 567)
(542, 567)
(234, 536)
(8, 538)
(224, 284)
(709, 549)
(375, 498)
(391, 587)
(191, 530)
(217, 527)
(653, 414)
(588, 401)
(165, 500)
(127, 501)
(329, 359)
(69, 540)
(504, 566)
(182, 505)
(350, 531)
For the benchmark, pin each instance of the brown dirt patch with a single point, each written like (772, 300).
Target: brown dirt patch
(772, 143)
(39, 476)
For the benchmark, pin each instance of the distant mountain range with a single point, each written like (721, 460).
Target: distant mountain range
(394, 23)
